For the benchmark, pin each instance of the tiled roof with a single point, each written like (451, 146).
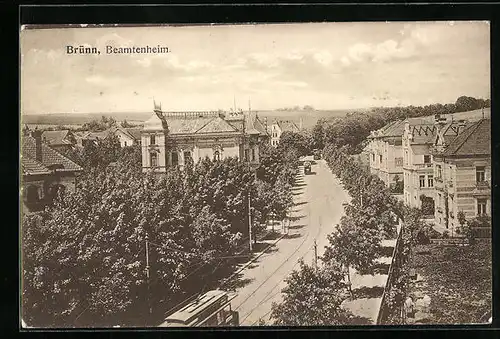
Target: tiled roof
(204, 124)
(216, 125)
(30, 166)
(474, 140)
(287, 125)
(50, 157)
(135, 132)
(56, 137)
(259, 126)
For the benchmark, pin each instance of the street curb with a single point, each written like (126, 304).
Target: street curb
(254, 259)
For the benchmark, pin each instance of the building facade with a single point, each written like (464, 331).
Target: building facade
(176, 138)
(44, 172)
(278, 127)
(418, 174)
(462, 172)
(385, 152)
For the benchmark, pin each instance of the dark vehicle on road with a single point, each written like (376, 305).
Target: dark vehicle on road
(307, 167)
(210, 309)
(316, 154)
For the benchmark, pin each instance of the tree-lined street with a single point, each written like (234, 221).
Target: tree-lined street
(318, 205)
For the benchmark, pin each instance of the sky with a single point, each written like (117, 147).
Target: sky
(324, 65)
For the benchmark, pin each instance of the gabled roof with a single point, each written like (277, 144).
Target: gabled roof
(287, 125)
(474, 140)
(50, 157)
(135, 132)
(259, 126)
(56, 137)
(450, 131)
(396, 128)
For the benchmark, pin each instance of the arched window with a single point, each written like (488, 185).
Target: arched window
(217, 156)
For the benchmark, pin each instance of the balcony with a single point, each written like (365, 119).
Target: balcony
(482, 185)
(482, 189)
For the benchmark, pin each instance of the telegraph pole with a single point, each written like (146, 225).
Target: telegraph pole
(147, 274)
(249, 223)
(315, 254)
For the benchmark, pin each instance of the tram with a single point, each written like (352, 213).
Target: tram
(210, 309)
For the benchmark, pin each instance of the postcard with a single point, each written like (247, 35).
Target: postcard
(299, 174)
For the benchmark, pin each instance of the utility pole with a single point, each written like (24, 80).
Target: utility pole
(315, 254)
(147, 274)
(361, 192)
(249, 223)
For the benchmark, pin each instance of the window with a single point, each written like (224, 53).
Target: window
(398, 142)
(480, 173)
(406, 157)
(153, 158)
(125, 143)
(439, 173)
(216, 155)
(253, 154)
(152, 140)
(247, 155)
(380, 158)
(175, 159)
(430, 180)
(399, 161)
(373, 157)
(421, 179)
(427, 159)
(187, 157)
(481, 206)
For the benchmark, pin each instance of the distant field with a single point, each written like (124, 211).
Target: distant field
(66, 119)
(309, 118)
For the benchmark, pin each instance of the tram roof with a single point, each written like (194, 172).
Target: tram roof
(188, 312)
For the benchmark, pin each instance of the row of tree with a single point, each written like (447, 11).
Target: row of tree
(371, 216)
(84, 258)
(353, 129)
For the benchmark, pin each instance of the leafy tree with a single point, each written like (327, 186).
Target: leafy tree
(353, 244)
(312, 297)
(126, 124)
(131, 157)
(297, 141)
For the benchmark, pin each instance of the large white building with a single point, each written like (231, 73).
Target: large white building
(174, 138)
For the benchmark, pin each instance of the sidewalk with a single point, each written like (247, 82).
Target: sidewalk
(368, 289)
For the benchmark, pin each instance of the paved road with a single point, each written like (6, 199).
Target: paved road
(318, 198)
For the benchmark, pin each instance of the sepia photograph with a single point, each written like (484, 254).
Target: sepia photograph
(298, 174)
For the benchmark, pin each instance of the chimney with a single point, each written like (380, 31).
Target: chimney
(37, 134)
(300, 123)
(461, 125)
